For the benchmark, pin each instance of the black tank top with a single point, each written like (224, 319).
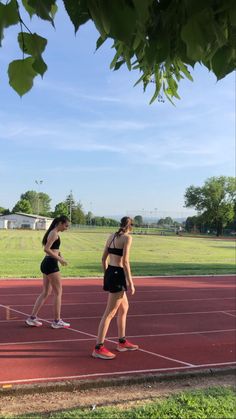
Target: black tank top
(114, 250)
(56, 244)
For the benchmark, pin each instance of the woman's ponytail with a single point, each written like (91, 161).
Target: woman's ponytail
(125, 224)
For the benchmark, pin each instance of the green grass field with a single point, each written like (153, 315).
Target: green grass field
(21, 253)
(215, 402)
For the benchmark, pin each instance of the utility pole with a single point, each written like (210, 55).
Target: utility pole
(70, 205)
(39, 183)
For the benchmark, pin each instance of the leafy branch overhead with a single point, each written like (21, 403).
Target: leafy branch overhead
(160, 38)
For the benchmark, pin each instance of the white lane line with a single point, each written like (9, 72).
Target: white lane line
(42, 342)
(166, 357)
(91, 278)
(190, 313)
(135, 301)
(95, 336)
(73, 377)
(157, 289)
(229, 314)
(112, 338)
(200, 332)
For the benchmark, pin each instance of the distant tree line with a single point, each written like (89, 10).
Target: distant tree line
(38, 203)
(215, 203)
(162, 222)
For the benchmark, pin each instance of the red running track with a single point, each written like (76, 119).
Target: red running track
(180, 323)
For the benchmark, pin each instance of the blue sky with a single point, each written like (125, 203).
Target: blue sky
(87, 129)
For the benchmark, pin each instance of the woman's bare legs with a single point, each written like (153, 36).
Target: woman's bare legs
(55, 281)
(43, 296)
(122, 316)
(113, 304)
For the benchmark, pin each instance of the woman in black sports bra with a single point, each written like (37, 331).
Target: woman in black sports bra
(51, 275)
(117, 275)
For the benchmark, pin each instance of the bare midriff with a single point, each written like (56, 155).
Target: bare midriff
(55, 251)
(116, 260)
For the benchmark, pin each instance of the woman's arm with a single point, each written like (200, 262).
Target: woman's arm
(105, 254)
(126, 263)
(104, 259)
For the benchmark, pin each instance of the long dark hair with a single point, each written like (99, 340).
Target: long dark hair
(62, 219)
(125, 224)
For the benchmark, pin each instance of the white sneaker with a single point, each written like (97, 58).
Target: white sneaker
(33, 322)
(60, 324)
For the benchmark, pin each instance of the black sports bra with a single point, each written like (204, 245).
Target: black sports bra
(56, 244)
(114, 250)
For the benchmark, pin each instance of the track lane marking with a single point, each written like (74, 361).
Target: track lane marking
(215, 289)
(112, 338)
(73, 377)
(95, 337)
(229, 314)
(135, 301)
(138, 315)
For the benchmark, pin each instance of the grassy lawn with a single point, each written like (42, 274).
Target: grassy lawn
(21, 253)
(215, 402)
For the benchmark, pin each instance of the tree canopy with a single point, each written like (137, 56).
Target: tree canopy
(160, 38)
(138, 220)
(215, 201)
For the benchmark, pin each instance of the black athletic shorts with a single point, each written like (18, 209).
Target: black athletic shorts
(49, 265)
(114, 279)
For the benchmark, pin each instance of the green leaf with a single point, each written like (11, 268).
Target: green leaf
(105, 20)
(224, 61)
(142, 9)
(184, 70)
(32, 44)
(28, 8)
(158, 81)
(95, 12)
(193, 7)
(119, 64)
(139, 80)
(40, 66)
(8, 16)
(21, 75)
(115, 18)
(157, 91)
(54, 10)
(172, 86)
(9, 13)
(194, 36)
(137, 41)
(100, 41)
(233, 17)
(115, 59)
(77, 11)
(45, 9)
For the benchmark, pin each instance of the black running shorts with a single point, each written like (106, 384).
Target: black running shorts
(114, 279)
(49, 265)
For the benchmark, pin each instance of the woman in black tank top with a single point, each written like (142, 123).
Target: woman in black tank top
(117, 276)
(51, 274)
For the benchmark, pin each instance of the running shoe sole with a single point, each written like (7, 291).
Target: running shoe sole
(94, 355)
(126, 349)
(60, 327)
(33, 324)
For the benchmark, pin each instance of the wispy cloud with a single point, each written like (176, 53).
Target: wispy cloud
(123, 137)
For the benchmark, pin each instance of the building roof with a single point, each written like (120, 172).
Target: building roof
(33, 216)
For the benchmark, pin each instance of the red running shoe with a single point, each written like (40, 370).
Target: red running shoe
(126, 346)
(103, 353)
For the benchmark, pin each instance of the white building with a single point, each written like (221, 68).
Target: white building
(25, 221)
(3, 223)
